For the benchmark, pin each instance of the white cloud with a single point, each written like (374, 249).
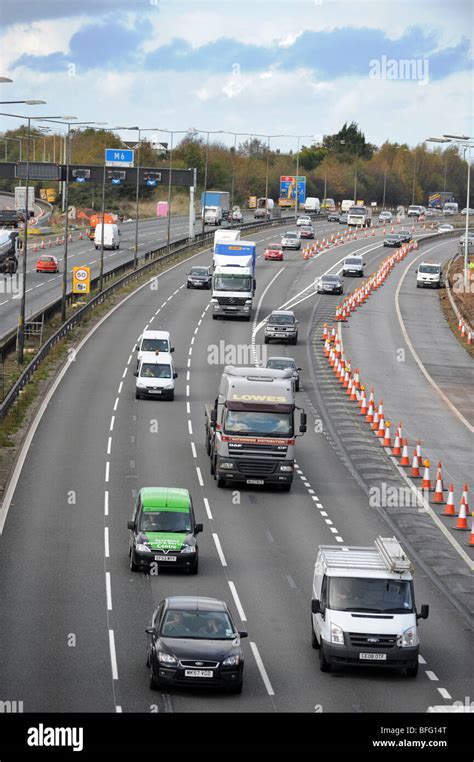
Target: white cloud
(39, 38)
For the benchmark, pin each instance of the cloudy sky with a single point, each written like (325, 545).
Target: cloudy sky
(402, 69)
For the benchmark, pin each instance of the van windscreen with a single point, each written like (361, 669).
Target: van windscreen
(377, 595)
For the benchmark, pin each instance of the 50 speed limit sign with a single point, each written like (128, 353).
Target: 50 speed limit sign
(81, 280)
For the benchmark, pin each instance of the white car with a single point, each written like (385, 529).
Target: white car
(385, 217)
(155, 376)
(446, 228)
(237, 215)
(303, 220)
(464, 211)
(290, 240)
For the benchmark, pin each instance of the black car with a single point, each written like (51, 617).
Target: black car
(199, 277)
(330, 284)
(393, 239)
(306, 231)
(333, 217)
(405, 235)
(193, 641)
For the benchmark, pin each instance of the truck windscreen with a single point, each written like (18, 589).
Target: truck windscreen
(232, 283)
(252, 423)
(371, 594)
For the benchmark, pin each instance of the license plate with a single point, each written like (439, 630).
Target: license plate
(198, 673)
(255, 481)
(373, 657)
(154, 391)
(230, 309)
(165, 558)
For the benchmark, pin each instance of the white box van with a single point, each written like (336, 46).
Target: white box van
(346, 204)
(363, 607)
(428, 274)
(312, 205)
(155, 376)
(213, 215)
(451, 208)
(111, 236)
(353, 266)
(153, 341)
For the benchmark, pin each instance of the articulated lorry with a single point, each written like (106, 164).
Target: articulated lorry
(215, 206)
(233, 279)
(250, 428)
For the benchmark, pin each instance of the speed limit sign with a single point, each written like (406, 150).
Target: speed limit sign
(81, 280)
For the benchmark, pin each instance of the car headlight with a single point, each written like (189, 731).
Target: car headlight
(141, 385)
(188, 549)
(337, 634)
(231, 661)
(165, 658)
(169, 386)
(214, 300)
(142, 548)
(409, 638)
(288, 467)
(248, 301)
(227, 464)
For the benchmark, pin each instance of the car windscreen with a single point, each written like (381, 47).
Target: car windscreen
(197, 625)
(356, 210)
(155, 370)
(151, 345)
(290, 235)
(274, 247)
(372, 594)
(431, 269)
(232, 282)
(165, 521)
(281, 364)
(281, 319)
(198, 271)
(330, 278)
(261, 424)
(353, 261)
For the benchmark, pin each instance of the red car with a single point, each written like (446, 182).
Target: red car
(47, 264)
(274, 251)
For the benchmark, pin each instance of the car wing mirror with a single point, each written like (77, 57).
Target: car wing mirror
(424, 613)
(172, 349)
(150, 630)
(175, 375)
(243, 634)
(315, 606)
(198, 528)
(130, 525)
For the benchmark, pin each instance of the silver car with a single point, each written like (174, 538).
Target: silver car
(290, 240)
(286, 363)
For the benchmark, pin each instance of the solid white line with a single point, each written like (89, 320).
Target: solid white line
(431, 675)
(190, 427)
(106, 541)
(109, 445)
(445, 694)
(108, 590)
(199, 476)
(219, 549)
(116, 403)
(237, 601)
(113, 655)
(416, 357)
(107, 467)
(193, 448)
(261, 669)
(112, 421)
(106, 503)
(207, 507)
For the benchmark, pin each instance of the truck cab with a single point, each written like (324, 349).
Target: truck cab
(359, 216)
(232, 291)
(363, 608)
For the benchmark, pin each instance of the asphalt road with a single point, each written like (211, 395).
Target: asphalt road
(72, 615)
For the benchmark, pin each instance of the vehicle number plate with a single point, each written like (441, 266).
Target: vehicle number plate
(373, 657)
(198, 673)
(154, 391)
(165, 558)
(255, 481)
(230, 309)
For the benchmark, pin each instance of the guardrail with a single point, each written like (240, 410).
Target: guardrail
(150, 260)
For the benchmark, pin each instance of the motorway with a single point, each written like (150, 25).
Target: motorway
(72, 615)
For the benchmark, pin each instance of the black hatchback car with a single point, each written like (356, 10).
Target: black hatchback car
(393, 239)
(330, 284)
(193, 641)
(199, 277)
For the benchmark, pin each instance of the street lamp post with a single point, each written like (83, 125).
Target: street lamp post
(414, 178)
(384, 187)
(203, 211)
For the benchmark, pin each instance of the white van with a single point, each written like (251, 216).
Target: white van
(428, 274)
(363, 607)
(312, 205)
(353, 265)
(111, 236)
(155, 376)
(451, 208)
(346, 204)
(212, 215)
(153, 341)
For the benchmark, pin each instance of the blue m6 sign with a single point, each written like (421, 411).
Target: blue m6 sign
(119, 157)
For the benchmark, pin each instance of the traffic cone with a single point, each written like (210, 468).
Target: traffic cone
(349, 386)
(471, 537)
(42, 245)
(450, 509)
(381, 430)
(461, 523)
(35, 247)
(426, 483)
(415, 468)
(333, 334)
(438, 496)
(50, 243)
(418, 450)
(353, 395)
(405, 460)
(363, 402)
(396, 447)
(464, 499)
(375, 422)
(326, 348)
(380, 408)
(370, 413)
(386, 440)
(356, 378)
(439, 476)
(80, 235)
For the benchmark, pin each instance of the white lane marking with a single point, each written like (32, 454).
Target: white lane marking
(219, 549)
(187, 390)
(189, 363)
(119, 391)
(333, 530)
(175, 292)
(207, 507)
(311, 491)
(106, 503)
(112, 421)
(197, 327)
(431, 675)
(130, 358)
(338, 538)
(113, 655)
(199, 475)
(188, 375)
(318, 505)
(106, 542)
(412, 349)
(323, 513)
(420, 659)
(328, 521)
(190, 427)
(116, 403)
(199, 323)
(445, 694)
(118, 709)
(193, 448)
(237, 602)
(261, 669)
(109, 445)
(190, 351)
(192, 340)
(108, 590)
(107, 469)
(125, 372)
(188, 408)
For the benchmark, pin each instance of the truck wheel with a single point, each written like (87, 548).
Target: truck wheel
(221, 483)
(208, 444)
(412, 671)
(324, 665)
(314, 640)
(297, 386)
(266, 340)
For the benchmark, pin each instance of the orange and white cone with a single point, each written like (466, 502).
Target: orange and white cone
(426, 483)
(471, 536)
(326, 348)
(356, 378)
(396, 447)
(363, 402)
(35, 247)
(325, 332)
(380, 409)
(42, 245)
(353, 395)
(415, 466)
(350, 386)
(438, 496)
(387, 442)
(464, 498)
(461, 523)
(405, 459)
(375, 422)
(418, 450)
(370, 413)
(450, 509)
(381, 429)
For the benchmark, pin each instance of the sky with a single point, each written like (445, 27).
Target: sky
(401, 69)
